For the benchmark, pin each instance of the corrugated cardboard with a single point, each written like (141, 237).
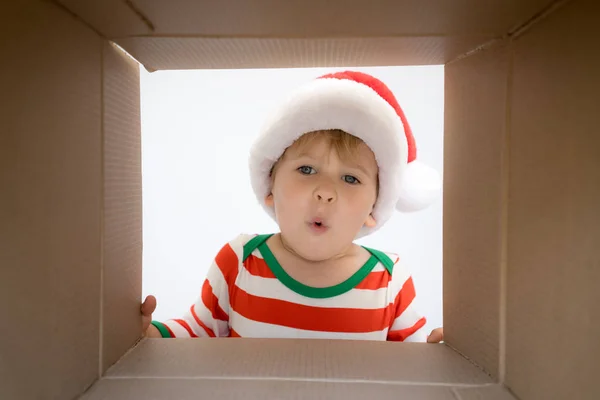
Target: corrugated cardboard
(271, 33)
(304, 359)
(109, 18)
(121, 278)
(50, 203)
(335, 369)
(192, 389)
(474, 143)
(553, 314)
(231, 52)
(521, 197)
(491, 392)
(305, 18)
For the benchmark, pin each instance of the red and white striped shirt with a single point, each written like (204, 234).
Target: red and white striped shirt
(248, 294)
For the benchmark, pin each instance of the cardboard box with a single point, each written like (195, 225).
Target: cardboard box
(521, 197)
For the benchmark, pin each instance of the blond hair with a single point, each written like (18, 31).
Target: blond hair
(344, 144)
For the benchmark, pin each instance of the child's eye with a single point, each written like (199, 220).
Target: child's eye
(306, 170)
(350, 179)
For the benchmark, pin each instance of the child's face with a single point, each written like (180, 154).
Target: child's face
(322, 201)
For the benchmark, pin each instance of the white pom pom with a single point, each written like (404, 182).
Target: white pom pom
(421, 186)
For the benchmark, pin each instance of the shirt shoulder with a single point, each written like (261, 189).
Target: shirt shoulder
(230, 255)
(386, 260)
(245, 244)
(398, 271)
(238, 242)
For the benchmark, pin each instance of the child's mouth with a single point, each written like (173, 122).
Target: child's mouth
(318, 226)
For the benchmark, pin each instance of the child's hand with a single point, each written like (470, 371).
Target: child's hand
(436, 336)
(147, 308)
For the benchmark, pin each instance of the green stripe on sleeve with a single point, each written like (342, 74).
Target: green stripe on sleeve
(162, 329)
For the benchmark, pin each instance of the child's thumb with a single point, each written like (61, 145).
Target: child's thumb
(149, 305)
(436, 336)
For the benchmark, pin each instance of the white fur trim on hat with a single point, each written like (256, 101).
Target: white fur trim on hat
(420, 187)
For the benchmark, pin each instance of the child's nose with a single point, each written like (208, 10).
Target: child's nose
(324, 194)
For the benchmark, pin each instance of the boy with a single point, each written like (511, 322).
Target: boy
(330, 166)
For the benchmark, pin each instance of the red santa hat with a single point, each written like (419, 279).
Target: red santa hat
(365, 107)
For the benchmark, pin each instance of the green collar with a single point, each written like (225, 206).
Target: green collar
(259, 242)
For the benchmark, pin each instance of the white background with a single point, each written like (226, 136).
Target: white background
(197, 127)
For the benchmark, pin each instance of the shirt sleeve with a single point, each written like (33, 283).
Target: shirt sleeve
(407, 324)
(208, 316)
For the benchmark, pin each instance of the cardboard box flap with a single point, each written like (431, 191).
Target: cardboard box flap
(291, 369)
(50, 202)
(553, 226)
(298, 359)
(117, 19)
(222, 53)
(475, 113)
(110, 18)
(186, 34)
(244, 389)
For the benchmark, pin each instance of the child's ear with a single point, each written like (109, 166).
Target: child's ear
(370, 222)
(269, 200)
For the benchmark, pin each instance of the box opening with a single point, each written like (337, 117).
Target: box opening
(197, 129)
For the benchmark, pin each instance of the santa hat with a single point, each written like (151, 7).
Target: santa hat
(365, 107)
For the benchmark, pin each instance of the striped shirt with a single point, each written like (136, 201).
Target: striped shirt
(248, 294)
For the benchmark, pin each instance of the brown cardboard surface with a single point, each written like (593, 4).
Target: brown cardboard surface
(300, 359)
(307, 18)
(191, 389)
(473, 162)
(186, 34)
(338, 17)
(198, 53)
(50, 199)
(122, 246)
(111, 18)
(553, 318)
(490, 392)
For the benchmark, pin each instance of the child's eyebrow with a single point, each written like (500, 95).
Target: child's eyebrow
(359, 167)
(299, 156)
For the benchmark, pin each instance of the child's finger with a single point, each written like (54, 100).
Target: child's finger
(436, 336)
(149, 305)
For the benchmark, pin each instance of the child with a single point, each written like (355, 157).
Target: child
(330, 166)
